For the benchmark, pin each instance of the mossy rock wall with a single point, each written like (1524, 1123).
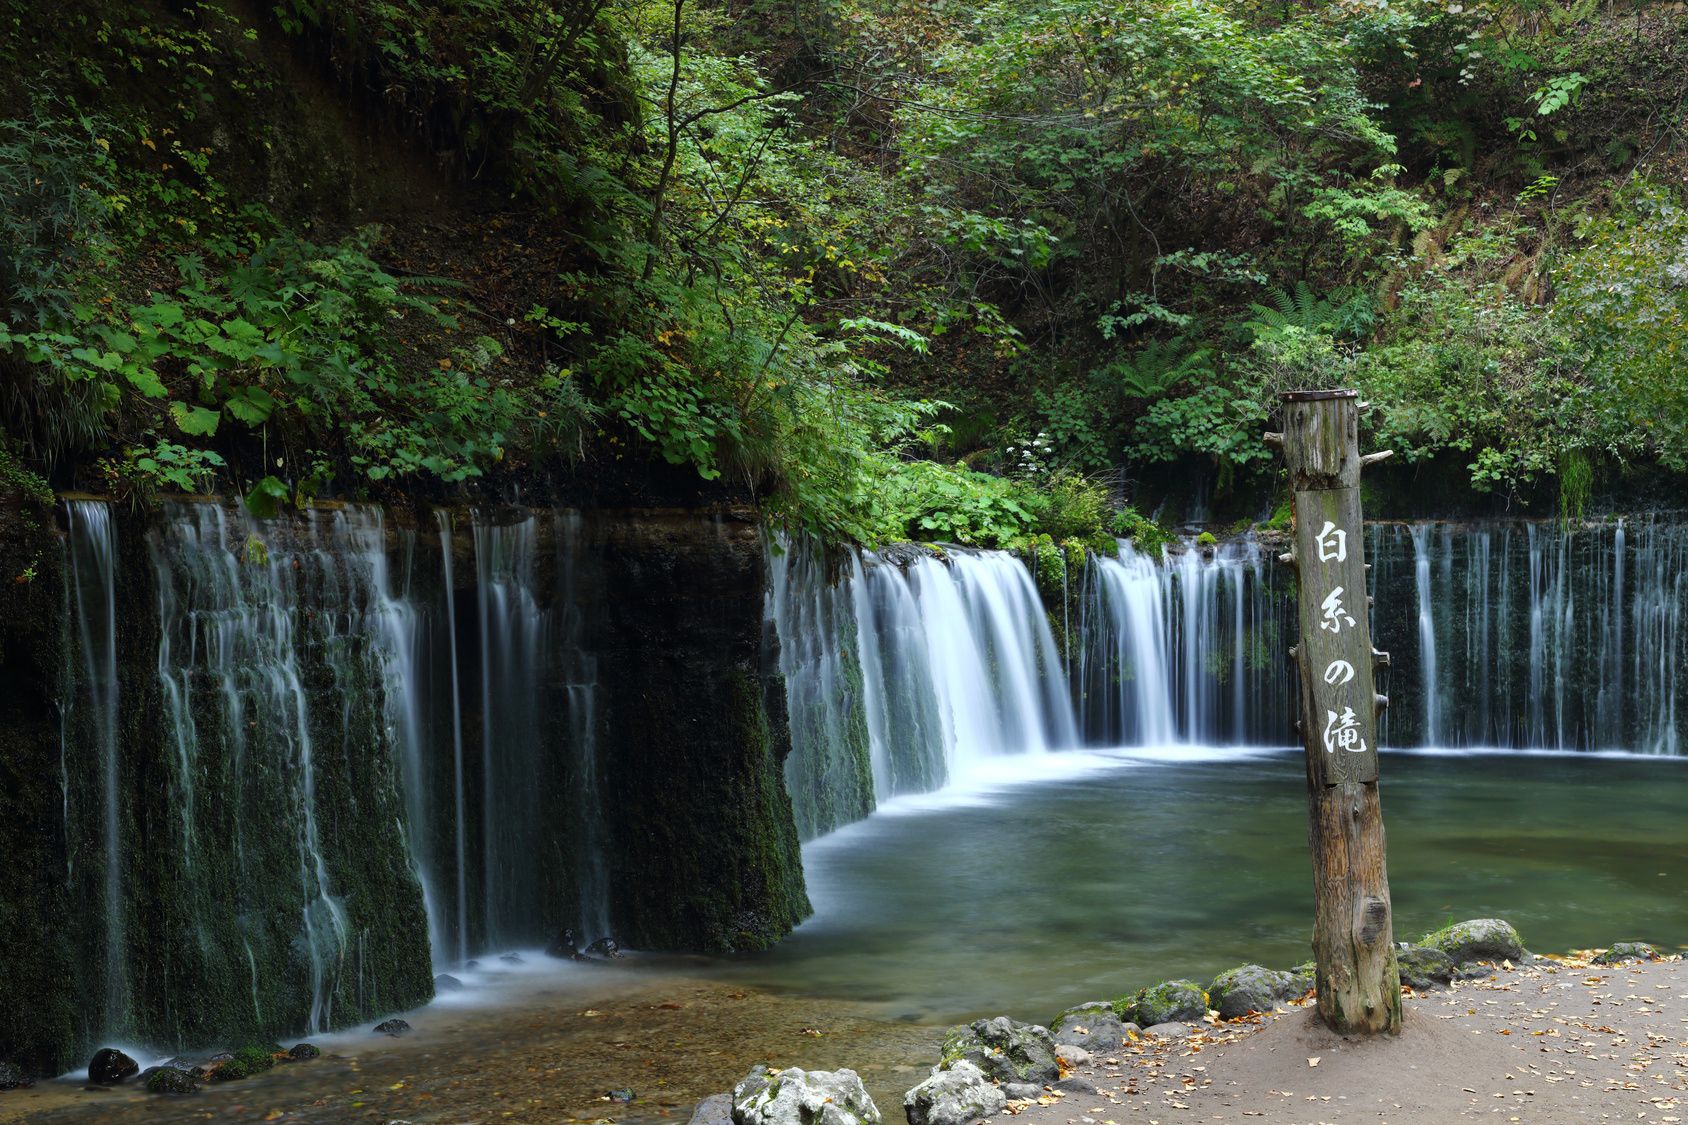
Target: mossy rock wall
(705, 853)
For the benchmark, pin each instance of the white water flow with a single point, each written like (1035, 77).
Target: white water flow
(459, 797)
(93, 550)
(230, 614)
(1131, 652)
(902, 676)
(579, 665)
(513, 744)
(1426, 632)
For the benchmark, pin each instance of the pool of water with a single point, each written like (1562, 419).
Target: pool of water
(1069, 878)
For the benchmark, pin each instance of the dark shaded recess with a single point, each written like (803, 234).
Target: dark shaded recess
(41, 1021)
(705, 854)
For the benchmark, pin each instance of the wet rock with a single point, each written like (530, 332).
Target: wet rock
(512, 958)
(244, 1063)
(605, 947)
(1248, 988)
(956, 1096)
(803, 1097)
(445, 982)
(565, 947)
(1170, 1001)
(304, 1052)
(393, 1027)
(471, 966)
(110, 1066)
(1627, 951)
(1071, 1057)
(12, 1077)
(717, 1109)
(170, 1081)
(1022, 1091)
(1424, 968)
(1480, 939)
(621, 1097)
(1006, 1051)
(1095, 1027)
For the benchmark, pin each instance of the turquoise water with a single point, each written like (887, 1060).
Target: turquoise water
(1074, 878)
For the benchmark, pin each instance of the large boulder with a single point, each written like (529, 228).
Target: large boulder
(1627, 951)
(1169, 1002)
(1249, 988)
(803, 1097)
(1424, 968)
(1095, 1027)
(109, 1066)
(1006, 1051)
(954, 1096)
(1480, 939)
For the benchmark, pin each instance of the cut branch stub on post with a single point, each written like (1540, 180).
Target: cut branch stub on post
(1353, 939)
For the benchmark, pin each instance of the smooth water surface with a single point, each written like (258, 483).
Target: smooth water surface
(1114, 871)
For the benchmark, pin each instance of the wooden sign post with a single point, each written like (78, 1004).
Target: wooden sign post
(1353, 941)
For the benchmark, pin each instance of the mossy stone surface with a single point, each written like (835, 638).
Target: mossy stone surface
(1478, 939)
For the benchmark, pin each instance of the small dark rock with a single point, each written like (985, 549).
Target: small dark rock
(716, 1109)
(604, 947)
(1022, 1091)
(565, 947)
(110, 1066)
(1424, 968)
(1075, 1086)
(511, 958)
(304, 1052)
(169, 1080)
(12, 1077)
(1627, 951)
(620, 1097)
(471, 965)
(393, 1027)
(445, 982)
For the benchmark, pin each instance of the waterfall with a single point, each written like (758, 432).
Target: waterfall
(1426, 630)
(459, 796)
(514, 714)
(93, 550)
(266, 676)
(590, 846)
(902, 674)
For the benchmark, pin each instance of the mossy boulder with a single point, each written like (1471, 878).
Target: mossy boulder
(1248, 988)
(244, 1063)
(1627, 951)
(1479, 939)
(170, 1081)
(953, 1096)
(1169, 1002)
(803, 1097)
(1425, 968)
(1095, 1027)
(394, 1027)
(304, 1052)
(1303, 978)
(13, 1077)
(109, 1066)
(1004, 1050)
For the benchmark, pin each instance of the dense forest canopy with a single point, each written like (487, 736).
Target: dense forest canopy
(934, 270)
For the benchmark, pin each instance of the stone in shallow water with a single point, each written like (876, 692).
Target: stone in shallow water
(956, 1096)
(1006, 1051)
(803, 1097)
(168, 1080)
(110, 1066)
(394, 1027)
(445, 982)
(303, 1052)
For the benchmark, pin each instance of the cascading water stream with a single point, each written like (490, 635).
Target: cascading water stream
(459, 796)
(1426, 631)
(93, 551)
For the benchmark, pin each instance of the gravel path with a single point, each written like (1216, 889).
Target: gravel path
(1552, 1041)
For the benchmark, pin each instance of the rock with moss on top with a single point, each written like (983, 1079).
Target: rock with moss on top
(953, 1096)
(803, 1097)
(1170, 1001)
(1249, 988)
(1005, 1050)
(170, 1081)
(1627, 951)
(1479, 939)
(1424, 968)
(1095, 1027)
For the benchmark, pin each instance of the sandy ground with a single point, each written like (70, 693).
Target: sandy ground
(1550, 1042)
